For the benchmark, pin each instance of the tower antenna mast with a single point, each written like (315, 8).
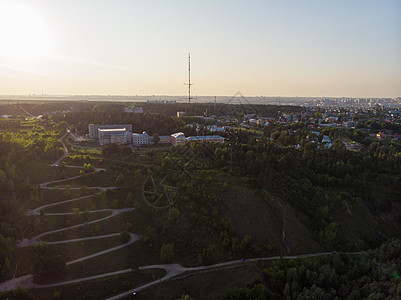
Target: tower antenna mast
(189, 79)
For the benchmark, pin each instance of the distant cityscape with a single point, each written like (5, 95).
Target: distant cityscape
(237, 99)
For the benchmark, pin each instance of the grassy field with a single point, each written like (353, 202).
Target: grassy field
(133, 256)
(96, 179)
(92, 203)
(212, 285)
(54, 196)
(47, 223)
(41, 171)
(99, 288)
(71, 251)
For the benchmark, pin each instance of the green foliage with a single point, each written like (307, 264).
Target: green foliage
(6, 250)
(358, 276)
(167, 252)
(61, 127)
(257, 291)
(48, 262)
(156, 139)
(185, 297)
(88, 168)
(125, 237)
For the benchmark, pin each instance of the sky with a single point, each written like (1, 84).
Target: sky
(259, 48)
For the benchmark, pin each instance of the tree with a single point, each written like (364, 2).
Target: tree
(167, 252)
(125, 237)
(88, 168)
(48, 262)
(156, 139)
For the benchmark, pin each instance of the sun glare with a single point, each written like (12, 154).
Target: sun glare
(23, 33)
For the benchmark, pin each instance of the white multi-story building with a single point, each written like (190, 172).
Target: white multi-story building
(178, 138)
(140, 139)
(119, 136)
(94, 134)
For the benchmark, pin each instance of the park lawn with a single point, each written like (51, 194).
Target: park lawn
(40, 171)
(209, 285)
(94, 152)
(101, 179)
(111, 225)
(99, 288)
(75, 250)
(133, 256)
(49, 196)
(92, 203)
(47, 223)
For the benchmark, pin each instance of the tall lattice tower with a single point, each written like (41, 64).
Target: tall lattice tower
(189, 79)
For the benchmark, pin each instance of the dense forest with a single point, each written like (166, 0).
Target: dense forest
(328, 183)
(345, 201)
(371, 275)
(23, 144)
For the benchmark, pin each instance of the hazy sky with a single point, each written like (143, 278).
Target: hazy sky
(269, 48)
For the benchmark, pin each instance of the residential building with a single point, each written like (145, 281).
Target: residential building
(215, 128)
(326, 139)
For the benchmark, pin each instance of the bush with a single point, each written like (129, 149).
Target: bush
(125, 237)
(167, 252)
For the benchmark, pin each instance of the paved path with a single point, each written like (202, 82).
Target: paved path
(177, 271)
(57, 162)
(133, 239)
(38, 239)
(42, 286)
(27, 280)
(173, 271)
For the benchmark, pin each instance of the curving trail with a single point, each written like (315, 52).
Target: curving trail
(173, 271)
(177, 271)
(27, 280)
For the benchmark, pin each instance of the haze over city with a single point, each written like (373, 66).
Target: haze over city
(270, 48)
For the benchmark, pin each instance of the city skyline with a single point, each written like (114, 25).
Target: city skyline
(259, 48)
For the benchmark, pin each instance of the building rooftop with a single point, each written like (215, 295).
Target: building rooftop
(204, 137)
(178, 135)
(114, 130)
(141, 134)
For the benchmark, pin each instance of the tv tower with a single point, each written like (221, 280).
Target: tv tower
(189, 78)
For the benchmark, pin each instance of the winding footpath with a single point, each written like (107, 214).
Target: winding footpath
(173, 271)
(177, 271)
(27, 280)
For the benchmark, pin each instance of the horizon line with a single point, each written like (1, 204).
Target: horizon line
(236, 95)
